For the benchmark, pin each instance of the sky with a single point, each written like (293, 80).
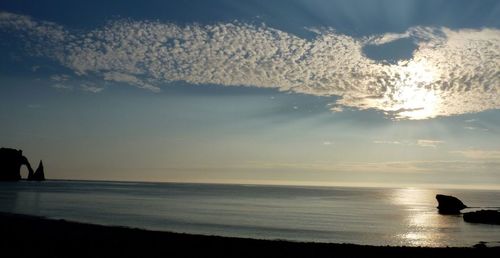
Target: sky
(299, 92)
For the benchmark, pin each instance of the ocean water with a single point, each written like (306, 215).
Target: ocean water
(374, 216)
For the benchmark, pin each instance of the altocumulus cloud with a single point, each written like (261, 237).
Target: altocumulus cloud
(451, 72)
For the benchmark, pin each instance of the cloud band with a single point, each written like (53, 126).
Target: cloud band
(452, 71)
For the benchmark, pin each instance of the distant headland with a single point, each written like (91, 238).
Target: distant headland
(11, 161)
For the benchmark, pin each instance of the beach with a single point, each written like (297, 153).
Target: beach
(33, 236)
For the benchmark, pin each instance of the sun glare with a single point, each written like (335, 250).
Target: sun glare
(417, 103)
(414, 98)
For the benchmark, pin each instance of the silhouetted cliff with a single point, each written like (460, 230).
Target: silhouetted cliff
(11, 161)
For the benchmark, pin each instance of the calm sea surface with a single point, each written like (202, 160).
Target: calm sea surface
(375, 216)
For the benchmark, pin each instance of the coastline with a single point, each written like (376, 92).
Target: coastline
(33, 236)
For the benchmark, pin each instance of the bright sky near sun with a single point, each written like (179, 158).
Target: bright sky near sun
(401, 93)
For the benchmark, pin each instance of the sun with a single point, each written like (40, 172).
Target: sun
(417, 103)
(414, 97)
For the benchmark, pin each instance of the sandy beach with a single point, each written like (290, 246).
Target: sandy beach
(31, 236)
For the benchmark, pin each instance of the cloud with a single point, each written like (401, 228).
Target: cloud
(479, 154)
(90, 88)
(387, 142)
(474, 128)
(452, 71)
(60, 77)
(429, 143)
(420, 142)
(405, 166)
(43, 38)
(336, 108)
(131, 79)
(475, 125)
(61, 86)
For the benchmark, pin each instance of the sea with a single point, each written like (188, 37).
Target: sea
(369, 216)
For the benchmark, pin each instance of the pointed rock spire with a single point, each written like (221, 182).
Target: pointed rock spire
(39, 175)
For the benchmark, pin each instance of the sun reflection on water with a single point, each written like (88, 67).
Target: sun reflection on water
(422, 223)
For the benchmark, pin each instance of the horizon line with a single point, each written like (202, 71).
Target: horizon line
(302, 184)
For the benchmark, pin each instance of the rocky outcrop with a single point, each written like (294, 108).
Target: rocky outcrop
(449, 204)
(483, 216)
(39, 175)
(452, 205)
(11, 161)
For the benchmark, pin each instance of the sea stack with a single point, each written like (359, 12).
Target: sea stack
(449, 204)
(39, 175)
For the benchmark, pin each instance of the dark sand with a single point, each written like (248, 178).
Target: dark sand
(30, 236)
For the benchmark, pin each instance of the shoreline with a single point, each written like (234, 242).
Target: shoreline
(34, 236)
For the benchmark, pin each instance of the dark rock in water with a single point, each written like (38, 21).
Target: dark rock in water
(483, 216)
(449, 204)
(39, 174)
(11, 161)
